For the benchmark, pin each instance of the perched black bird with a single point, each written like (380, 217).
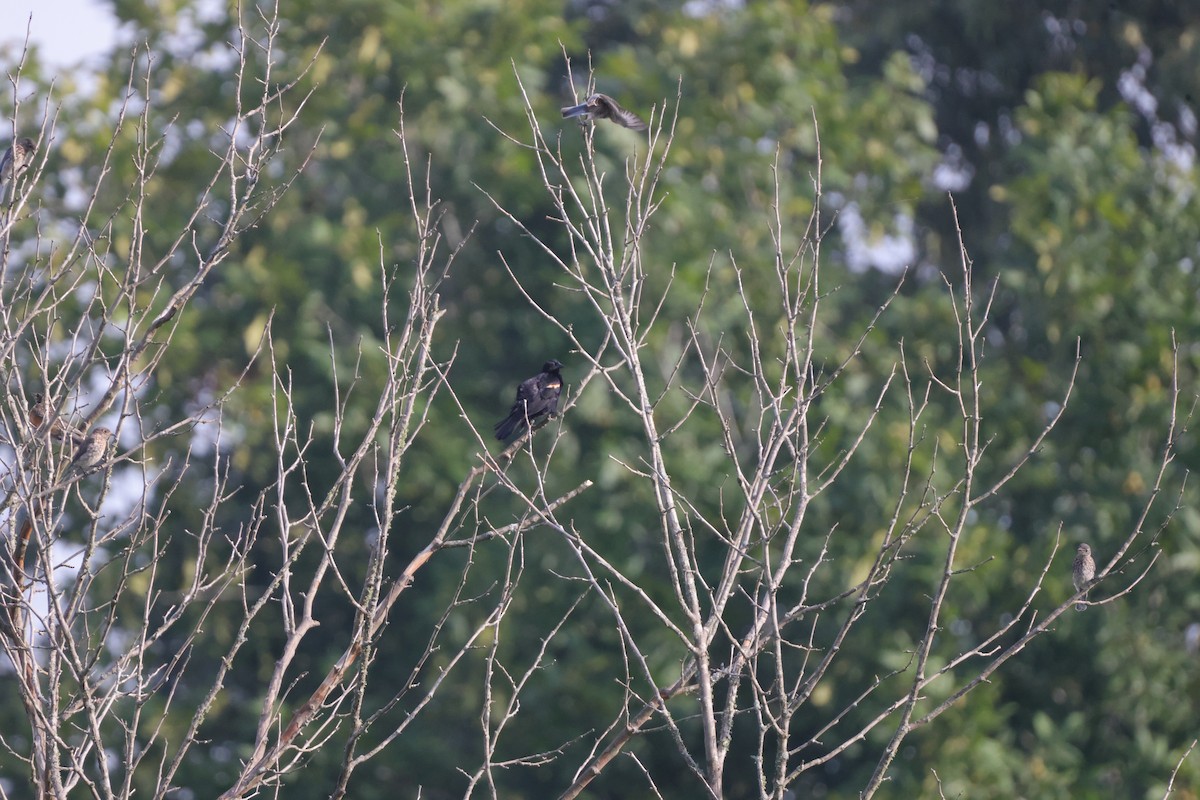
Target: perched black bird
(537, 397)
(16, 159)
(601, 106)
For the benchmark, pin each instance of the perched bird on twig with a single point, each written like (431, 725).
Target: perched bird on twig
(16, 159)
(92, 451)
(537, 397)
(40, 410)
(1083, 571)
(601, 106)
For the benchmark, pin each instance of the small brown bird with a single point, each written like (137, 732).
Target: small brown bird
(92, 451)
(601, 106)
(1083, 571)
(17, 159)
(40, 410)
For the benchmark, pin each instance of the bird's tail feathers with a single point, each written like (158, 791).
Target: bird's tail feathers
(509, 425)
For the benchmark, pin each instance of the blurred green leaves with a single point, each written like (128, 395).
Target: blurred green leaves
(1086, 226)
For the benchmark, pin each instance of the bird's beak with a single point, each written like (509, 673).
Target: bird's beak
(574, 111)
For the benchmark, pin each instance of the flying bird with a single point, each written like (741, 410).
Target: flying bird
(16, 159)
(537, 397)
(1083, 571)
(601, 106)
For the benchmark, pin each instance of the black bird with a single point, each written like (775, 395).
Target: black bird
(16, 159)
(537, 397)
(601, 106)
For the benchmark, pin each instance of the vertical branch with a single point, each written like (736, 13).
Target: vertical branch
(965, 393)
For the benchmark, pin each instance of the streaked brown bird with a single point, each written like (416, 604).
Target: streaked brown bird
(92, 451)
(16, 159)
(601, 106)
(537, 397)
(1083, 571)
(40, 410)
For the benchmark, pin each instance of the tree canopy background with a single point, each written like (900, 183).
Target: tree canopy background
(1064, 134)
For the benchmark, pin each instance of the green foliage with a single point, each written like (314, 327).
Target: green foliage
(1088, 231)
